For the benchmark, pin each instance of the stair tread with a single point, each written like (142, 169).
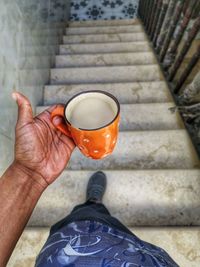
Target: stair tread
(101, 38)
(106, 74)
(179, 204)
(104, 29)
(179, 242)
(170, 149)
(151, 116)
(100, 23)
(105, 59)
(105, 47)
(143, 92)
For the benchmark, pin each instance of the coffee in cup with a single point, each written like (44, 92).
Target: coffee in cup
(92, 121)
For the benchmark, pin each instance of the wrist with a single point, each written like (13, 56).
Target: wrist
(25, 176)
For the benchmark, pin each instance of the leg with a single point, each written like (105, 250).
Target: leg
(92, 209)
(99, 207)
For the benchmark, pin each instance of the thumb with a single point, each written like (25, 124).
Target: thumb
(25, 113)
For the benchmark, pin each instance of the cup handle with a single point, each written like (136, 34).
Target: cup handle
(59, 111)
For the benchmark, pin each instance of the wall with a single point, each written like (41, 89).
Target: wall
(103, 9)
(30, 31)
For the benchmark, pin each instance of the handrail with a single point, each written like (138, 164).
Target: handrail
(172, 27)
(171, 30)
(187, 70)
(160, 19)
(191, 36)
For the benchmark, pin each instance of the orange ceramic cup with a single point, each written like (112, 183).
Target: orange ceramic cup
(93, 143)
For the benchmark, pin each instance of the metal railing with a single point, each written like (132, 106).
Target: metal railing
(172, 26)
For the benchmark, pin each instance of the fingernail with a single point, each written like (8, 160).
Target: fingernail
(57, 120)
(14, 96)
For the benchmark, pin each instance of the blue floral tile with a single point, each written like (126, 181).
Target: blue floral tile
(103, 9)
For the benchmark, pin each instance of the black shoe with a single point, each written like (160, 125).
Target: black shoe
(96, 187)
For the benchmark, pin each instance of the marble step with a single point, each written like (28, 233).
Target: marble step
(126, 93)
(157, 149)
(104, 29)
(116, 59)
(105, 48)
(103, 38)
(181, 243)
(96, 23)
(136, 117)
(137, 73)
(170, 149)
(135, 197)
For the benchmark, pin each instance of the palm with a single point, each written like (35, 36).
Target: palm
(41, 148)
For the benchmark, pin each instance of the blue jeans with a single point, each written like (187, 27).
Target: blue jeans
(90, 211)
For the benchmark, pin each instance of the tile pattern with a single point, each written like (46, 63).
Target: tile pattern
(103, 9)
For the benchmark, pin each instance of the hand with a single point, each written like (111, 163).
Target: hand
(41, 151)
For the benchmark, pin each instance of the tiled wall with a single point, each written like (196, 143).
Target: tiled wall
(29, 37)
(103, 9)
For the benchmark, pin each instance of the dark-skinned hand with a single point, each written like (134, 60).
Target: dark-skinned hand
(40, 149)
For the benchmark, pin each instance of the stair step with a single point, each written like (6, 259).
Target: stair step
(137, 198)
(28, 247)
(116, 59)
(102, 38)
(144, 150)
(137, 117)
(104, 29)
(126, 93)
(171, 149)
(97, 23)
(182, 244)
(105, 48)
(154, 116)
(106, 74)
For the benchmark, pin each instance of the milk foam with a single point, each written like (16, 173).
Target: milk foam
(91, 113)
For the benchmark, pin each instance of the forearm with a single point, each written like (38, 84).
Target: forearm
(19, 194)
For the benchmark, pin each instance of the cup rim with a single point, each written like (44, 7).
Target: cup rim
(93, 91)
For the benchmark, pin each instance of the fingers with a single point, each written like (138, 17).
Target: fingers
(57, 120)
(68, 141)
(25, 113)
(53, 123)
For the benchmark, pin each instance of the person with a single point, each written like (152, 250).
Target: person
(89, 236)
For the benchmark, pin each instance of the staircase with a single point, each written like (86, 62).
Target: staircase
(153, 174)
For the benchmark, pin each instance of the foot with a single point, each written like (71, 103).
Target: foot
(96, 187)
